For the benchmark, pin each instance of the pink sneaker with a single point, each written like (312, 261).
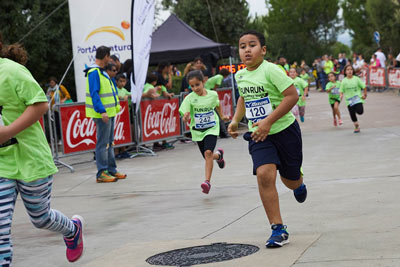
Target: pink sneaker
(206, 186)
(75, 244)
(340, 122)
(334, 122)
(221, 161)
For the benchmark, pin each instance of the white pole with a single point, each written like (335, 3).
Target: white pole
(233, 83)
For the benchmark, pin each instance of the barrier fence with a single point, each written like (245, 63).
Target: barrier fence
(157, 120)
(381, 77)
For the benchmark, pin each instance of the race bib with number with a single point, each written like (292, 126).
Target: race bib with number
(259, 109)
(335, 91)
(354, 100)
(204, 120)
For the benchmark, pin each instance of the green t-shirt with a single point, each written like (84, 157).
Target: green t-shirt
(328, 66)
(213, 81)
(148, 86)
(30, 159)
(122, 92)
(334, 94)
(305, 77)
(351, 88)
(203, 118)
(262, 90)
(300, 85)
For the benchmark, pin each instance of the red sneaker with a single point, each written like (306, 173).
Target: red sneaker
(75, 244)
(206, 186)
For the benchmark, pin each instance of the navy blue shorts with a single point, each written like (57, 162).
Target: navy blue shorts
(283, 149)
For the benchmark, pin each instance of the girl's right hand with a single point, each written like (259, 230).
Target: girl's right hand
(232, 129)
(186, 117)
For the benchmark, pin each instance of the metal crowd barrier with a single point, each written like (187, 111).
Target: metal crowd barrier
(156, 120)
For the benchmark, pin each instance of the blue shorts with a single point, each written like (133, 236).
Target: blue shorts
(283, 149)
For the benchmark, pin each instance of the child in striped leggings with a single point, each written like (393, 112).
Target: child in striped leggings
(26, 163)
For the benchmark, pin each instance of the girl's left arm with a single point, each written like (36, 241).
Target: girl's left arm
(31, 115)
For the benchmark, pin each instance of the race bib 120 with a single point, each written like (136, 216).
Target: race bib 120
(259, 109)
(354, 100)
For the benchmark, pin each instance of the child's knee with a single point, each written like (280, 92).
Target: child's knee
(266, 175)
(208, 154)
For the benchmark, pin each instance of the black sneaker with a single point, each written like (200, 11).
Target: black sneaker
(300, 193)
(279, 236)
(221, 161)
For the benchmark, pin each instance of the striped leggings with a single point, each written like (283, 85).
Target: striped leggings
(36, 198)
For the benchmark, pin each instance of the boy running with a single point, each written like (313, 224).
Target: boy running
(266, 97)
(198, 108)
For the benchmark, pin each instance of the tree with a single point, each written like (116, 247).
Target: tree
(363, 17)
(228, 17)
(301, 29)
(49, 46)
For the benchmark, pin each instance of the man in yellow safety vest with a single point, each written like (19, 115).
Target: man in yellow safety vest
(102, 105)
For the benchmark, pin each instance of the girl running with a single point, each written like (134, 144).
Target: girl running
(334, 97)
(302, 91)
(26, 163)
(266, 97)
(355, 93)
(198, 108)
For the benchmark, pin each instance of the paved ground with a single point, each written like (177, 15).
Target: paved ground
(351, 218)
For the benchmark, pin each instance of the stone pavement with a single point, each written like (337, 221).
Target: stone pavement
(351, 217)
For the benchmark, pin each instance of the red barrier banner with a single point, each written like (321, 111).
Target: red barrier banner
(377, 77)
(394, 78)
(363, 74)
(160, 119)
(226, 103)
(79, 132)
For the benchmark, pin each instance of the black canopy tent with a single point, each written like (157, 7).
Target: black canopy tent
(176, 42)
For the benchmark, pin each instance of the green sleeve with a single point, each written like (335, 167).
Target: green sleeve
(219, 79)
(163, 89)
(28, 90)
(341, 90)
(279, 78)
(305, 84)
(216, 102)
(185, 106)
(361, 83)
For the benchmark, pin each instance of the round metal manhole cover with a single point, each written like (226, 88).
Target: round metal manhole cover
(202, 254)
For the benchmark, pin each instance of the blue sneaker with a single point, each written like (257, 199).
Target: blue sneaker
(300, 193)
(302, 118)
(279, 236)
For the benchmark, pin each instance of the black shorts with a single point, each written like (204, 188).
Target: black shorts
(283, 149)
(208, 143)
(333, 105)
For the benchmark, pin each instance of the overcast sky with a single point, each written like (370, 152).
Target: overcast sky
(256, 7)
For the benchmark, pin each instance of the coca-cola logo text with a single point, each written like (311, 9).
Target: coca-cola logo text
(80, 128)
(160, 122)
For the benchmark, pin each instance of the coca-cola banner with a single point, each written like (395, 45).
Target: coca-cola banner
(79, 132)
(160, 119)
(377, 77)
(363, 74)
(226, 102)
(394, 78)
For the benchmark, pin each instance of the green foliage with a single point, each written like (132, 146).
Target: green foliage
(230, 17)
(339, 47)
(363, 17)
(302, 29)
(49, 46)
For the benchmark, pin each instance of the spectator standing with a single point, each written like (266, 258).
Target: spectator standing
(381, 56)
(57, 94)
(102, 105)
(214, 82)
